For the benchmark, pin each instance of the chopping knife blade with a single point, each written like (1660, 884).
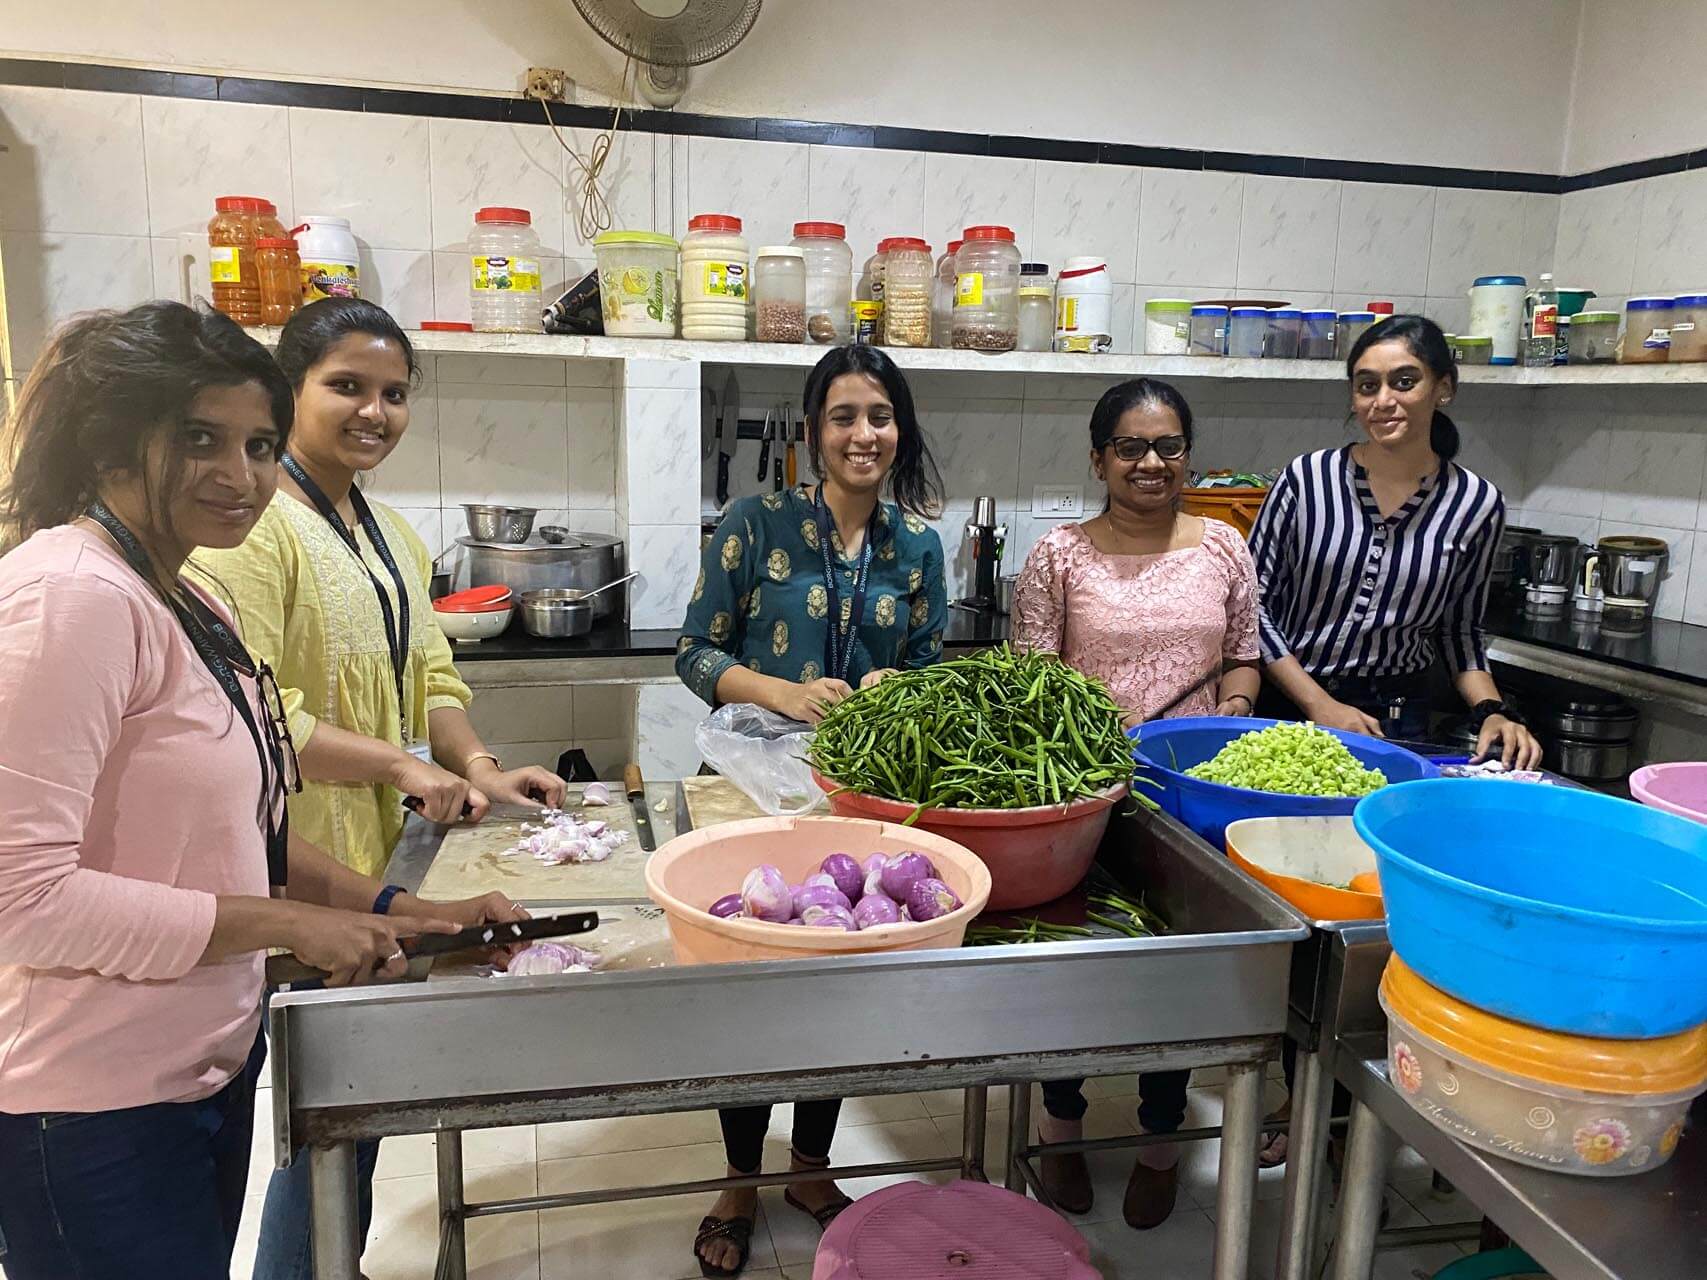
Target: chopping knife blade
(793, 465)
(635, 786)
(726, 436)
(287, 970)
(782, 437)
(765, 447)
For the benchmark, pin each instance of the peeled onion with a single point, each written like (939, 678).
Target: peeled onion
(728, 905)
(819, 895)
(902, 872)
(930, 898)
(765, 894)
(596, 793)
(845, 872)
(551, 957)
(828, 918)
(876, 909)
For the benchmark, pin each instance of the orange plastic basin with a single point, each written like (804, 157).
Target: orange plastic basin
(693, 871)
(1319, 865)
(1034, 855)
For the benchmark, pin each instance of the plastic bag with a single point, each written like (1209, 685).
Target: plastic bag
(764, 754)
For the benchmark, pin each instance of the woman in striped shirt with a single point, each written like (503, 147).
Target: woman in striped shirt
(1374, 559)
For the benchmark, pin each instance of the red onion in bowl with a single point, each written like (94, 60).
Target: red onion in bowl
(902, 872)
(828, 918)
(846, 873)
(930, 899)
(876, 909)
(728, 905)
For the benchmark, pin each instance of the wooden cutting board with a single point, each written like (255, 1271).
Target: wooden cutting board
(474, 860)
(628, 937)
(711, 800)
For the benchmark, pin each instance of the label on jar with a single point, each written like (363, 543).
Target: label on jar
(1657, 340)
(1066, 314)
(867, 319)
(330, 280)
(497, 274)
(725, 280)
(969, 289)
(1688, 326)
(225, 264)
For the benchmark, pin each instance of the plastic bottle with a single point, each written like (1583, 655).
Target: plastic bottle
(1541, 324)
(942, 297)
(503, 292)
(279, 271)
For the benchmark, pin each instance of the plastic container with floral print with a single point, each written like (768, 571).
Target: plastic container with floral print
(1601, 1108)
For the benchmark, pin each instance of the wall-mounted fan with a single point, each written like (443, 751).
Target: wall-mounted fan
(668, 36)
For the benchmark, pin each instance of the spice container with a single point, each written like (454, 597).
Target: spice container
(1647, 331)
(1316, 335)
(231, 236)
(1352, 326)
(331, 261)
(637, 283)
(279, 272)
(908, 275)
(1474, 348)
(1084, 307)
(1688, 328)
(986, 290)
(1246, 328)
(1167, 326)
(942, 297)
(867, 321)
(1208, 330)
(503, 287)
(1036, 307)
(779, 294)
(1592, 338)
(829, 279)
(1280, 340)
(715, 263)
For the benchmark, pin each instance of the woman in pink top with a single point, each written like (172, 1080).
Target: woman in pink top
(1160, 606)
(143, 783)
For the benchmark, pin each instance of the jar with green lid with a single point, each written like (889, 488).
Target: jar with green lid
(1167, 326)
(1472, 348)
(1592, 338)
(638, 284)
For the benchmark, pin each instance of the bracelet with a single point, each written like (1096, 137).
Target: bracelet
(382, 904)
(482, 755)
(1242, 698)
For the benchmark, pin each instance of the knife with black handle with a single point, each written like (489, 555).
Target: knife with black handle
(287, 970)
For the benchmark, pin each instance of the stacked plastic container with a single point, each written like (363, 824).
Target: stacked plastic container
(714, 279)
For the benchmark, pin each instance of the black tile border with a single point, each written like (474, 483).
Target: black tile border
(102, 78)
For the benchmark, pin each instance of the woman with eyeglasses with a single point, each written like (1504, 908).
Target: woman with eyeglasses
(331, 588)
(1161, 607)
(143, 775)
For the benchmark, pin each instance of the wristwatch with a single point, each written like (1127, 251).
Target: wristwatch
(1492, 707)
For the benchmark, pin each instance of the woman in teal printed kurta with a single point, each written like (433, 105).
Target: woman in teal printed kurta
(803, 595)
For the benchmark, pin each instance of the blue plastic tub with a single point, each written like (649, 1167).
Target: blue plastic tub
(1561, 908)
(1164, 749)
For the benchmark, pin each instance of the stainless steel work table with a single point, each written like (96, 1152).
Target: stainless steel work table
(1649, 1226)
(444, 1056)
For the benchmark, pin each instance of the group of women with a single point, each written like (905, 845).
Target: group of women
(1368, 563)
(220, 676)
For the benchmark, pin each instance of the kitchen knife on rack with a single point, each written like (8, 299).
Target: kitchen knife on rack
(635, 786)
(793, 460)
(287, 970)
(726, 436)
(765, 447)
(782, 438)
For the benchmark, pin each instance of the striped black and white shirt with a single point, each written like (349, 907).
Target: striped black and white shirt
(1347, 592)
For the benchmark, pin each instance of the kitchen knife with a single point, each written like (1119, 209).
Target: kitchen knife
(287, 970)
(782, 435)
(726, 438)
(765, 448)
(635, 786)
(793, 464)
(708, 422)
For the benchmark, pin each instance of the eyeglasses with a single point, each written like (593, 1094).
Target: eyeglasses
(279, 723)
(1134, 448)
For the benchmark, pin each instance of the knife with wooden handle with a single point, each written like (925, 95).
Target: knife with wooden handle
(635, 786)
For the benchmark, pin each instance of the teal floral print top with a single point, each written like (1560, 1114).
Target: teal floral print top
(760, 598)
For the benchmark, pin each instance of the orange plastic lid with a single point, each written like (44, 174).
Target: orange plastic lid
(239, 204)
(475, 600)
(911, 244)
(1670, 1064)
(989, 233)
(503, 213)
(714, 222)
(831, 230)
(447, 326)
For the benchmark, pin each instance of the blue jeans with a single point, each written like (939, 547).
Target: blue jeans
(144, 1193)
(285, 1250)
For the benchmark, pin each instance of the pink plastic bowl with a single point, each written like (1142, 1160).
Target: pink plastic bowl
(1674, 788)
(693, 871)
(1034, 855)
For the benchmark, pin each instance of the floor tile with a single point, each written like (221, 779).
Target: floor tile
(1180, 1249)
(947, 1102)
(626, 1133)
(405, 1236)
(248, 1231)
(1437, 1207)
(416, 1154)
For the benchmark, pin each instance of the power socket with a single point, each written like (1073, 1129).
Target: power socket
(1059, 501)
(550, 84)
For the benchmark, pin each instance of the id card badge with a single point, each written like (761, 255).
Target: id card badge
(422, 751)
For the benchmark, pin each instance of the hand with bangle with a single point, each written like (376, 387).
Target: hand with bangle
(1235, 704)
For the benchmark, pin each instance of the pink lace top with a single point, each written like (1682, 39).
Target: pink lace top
(1150, 627)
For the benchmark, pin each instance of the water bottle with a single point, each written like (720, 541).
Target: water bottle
(1541, 324)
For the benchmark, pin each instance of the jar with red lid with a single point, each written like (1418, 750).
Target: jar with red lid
(279, 272)
(986, 291)
(231, 236)
(907, 277)
(504, 289)
(714, 279)
(829, 279)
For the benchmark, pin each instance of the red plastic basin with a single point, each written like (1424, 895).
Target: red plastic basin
(1034, 855)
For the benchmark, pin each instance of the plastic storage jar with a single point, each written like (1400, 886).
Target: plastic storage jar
(908, 274)
(231, 236)
(829, 279)
(1167, 326)
(1208, 330)
(331, 262)
(1601, 1108)
(870, 287)
(1316, 335)
(1280, 340)
(1475, 348)
(779, 294)
(1084, 307)
(715, 263)
(986, 290)
(1689, 328)
(279, 271)
(1496, 309)
(1036, 307)
(503, 284)
(1593, 338)
(942, 297)
(1352, 326)
(1246, 329)
(637, 283)
(1647, 331)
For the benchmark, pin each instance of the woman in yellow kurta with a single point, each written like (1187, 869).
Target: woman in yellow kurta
(331, 590)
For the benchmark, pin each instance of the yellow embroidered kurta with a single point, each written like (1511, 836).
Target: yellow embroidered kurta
(307, 609)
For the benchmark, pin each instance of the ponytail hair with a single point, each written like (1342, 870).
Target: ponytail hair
(1424, 340)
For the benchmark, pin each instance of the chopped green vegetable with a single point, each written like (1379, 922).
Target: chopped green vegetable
(1290, 759)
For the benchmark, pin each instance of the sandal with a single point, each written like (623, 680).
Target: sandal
(824, 1215)
(737, 1231)
(1272, 1153)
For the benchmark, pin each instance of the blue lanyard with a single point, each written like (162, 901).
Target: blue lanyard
(842, 635)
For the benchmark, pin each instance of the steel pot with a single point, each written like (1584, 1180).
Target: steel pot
(494, 522)
(1586, 760)
(585, 561)
(556, 613)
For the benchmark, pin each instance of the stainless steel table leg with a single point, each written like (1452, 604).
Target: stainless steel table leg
(1367, 1151)
(1306, 1164)
(974, 1119)
(1019, 1130)
(333, 1212)
(453, 1232)
(1241, 1131)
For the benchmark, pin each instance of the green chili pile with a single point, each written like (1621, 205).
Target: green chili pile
(993, 730)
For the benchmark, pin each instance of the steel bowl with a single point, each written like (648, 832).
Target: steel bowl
(556, 613)
(493, 523)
